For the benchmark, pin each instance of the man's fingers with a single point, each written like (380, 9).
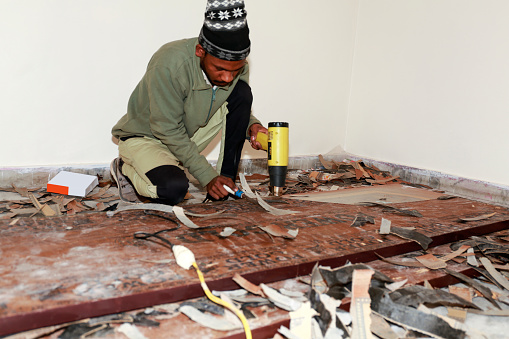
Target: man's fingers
(218, 188)
(256, 145)
(215, 188)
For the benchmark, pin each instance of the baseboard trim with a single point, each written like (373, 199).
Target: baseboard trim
(33, 177)
(483, 191)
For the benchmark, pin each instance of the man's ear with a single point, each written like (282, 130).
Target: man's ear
(200, 52)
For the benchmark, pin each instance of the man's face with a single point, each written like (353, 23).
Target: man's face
(220, 72)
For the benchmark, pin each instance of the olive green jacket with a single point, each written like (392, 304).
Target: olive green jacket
(172, 101)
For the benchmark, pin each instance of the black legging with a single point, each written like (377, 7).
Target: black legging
(172, 183)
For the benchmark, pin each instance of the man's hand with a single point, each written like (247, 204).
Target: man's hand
(215, 187)
(253, 132)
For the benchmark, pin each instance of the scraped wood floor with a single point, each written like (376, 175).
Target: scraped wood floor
(62, 269)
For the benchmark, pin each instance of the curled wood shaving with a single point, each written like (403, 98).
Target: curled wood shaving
(328, 164)
(247, 285)
(431, 262)
(245, 186)
(281, 301)
(45, 209)
(198, 215)
(179, 212)
(478, 218)
(272, 210)
(279, 231)
(227, 232)
(456, 253)
(494, 273)
(396, 285)
(210, 321)
(400, 262)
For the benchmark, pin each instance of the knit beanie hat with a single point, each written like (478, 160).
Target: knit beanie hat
(225, 33)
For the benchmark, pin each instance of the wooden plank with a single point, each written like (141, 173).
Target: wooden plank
(72, 267)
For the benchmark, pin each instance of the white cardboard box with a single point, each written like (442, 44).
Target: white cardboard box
(70, 183)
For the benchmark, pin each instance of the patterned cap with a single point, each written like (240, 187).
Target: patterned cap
(225, 33)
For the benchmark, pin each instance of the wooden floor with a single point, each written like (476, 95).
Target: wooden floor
(63, 269)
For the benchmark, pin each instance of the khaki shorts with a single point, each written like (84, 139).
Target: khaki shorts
(142, 154)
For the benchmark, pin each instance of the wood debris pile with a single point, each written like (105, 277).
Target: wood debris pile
(335, 175)
(37, 202)
(489, 256)
(378, 306)
(351, 301)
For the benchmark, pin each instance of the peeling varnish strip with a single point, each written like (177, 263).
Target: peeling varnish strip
(456, 253)
(358, 166)
(45, 209)
(431, 262)
(179, 212)
(494, 273)
(471, 259)
(400, 262)
(153, 207)
(279, 231)
(396, 285)
(160, 208)
(227, 232)
(328, 164)
(245, 186)
(272, 210)
(281, 301)
(198, 215)
(481, 217)
(247, 285)
(360, 307)
(207, 320)
(413, 235)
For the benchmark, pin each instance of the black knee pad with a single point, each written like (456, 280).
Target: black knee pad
(172, 184)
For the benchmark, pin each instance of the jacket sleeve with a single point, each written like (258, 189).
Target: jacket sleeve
(166, 100)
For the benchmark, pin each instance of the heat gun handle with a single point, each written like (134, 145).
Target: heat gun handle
(262, 138)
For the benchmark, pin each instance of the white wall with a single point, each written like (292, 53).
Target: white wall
(67, 69)
(430, 86)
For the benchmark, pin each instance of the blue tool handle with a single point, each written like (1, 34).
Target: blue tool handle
(238, 193)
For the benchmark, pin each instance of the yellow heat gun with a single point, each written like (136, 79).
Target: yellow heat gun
(276, 145)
